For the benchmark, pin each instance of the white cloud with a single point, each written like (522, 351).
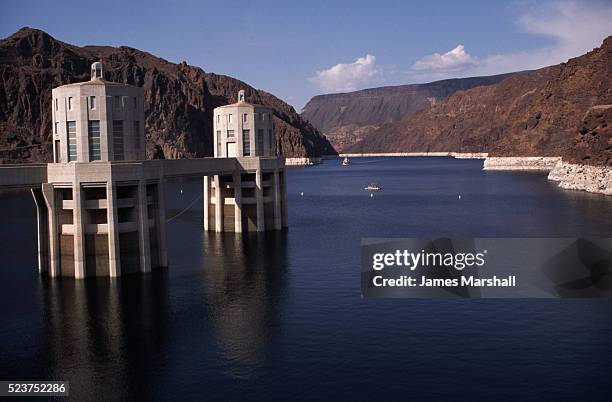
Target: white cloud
(453, 60)
(575, 28)
(348, 77)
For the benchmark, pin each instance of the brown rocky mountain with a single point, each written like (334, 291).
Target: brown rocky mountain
(179, 99)
(346, 118)
(562, 110)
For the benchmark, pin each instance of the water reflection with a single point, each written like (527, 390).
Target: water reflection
(98, 333)
(245, 279)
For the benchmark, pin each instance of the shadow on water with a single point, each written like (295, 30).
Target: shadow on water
(98, 333)
(124, 334)
(245, 279)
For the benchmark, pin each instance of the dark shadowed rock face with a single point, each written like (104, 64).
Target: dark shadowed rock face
(345, 118)
(555, 111)
(179, 99)
(593, 142)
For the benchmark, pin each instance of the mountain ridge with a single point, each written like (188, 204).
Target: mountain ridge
(561, 110)
(347, 117)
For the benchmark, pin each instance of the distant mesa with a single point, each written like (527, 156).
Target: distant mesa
(347, 118)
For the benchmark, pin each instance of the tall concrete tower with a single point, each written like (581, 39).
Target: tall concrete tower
(253, 198)
(105, 206)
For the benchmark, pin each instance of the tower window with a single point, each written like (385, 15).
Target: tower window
(72, 142)
(135, 99)
(229, 118)
(56, 104)
(56, 127)
(259, 151)
(118, 150)
(93, 132)
(70, 103)
(230, 133)
(92, 102)
(245, 117)
(117, 102)
(246, 143)
(219, 148)
(136, 135)
(57, 154)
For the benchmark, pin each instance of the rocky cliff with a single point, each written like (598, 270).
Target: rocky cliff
(346, 118)
(179, 99)
(562, 110)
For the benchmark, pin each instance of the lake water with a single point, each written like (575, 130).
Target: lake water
(280, 316)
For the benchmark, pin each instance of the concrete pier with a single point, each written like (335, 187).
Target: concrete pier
(248, 200)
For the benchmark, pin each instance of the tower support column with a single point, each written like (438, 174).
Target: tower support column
(79, 236)
(218, 204)
(49, 195)
(261, 224)
(143, 228)
(206, 196)
(237, 201)
(283, 191)
(42, 229)
(114, 259)
(278, 219)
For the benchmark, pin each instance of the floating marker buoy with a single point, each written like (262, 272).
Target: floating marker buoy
(302, 194)
(459, 196)
(371, 195)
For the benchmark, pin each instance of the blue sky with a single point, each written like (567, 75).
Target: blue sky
(298, 49)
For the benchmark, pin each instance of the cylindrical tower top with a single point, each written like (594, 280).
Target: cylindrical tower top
(97, 71)
(241, 96)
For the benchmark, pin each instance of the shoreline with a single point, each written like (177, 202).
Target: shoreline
(457, 155)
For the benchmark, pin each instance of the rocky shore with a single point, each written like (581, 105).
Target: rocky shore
(593, 179)
(537, 163)
(570, 176)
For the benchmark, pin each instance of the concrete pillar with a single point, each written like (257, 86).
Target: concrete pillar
(161, 227)
(42, 223)
(278, 219)
(79, 231)
(143, 228)
(261, 225)
(114, 259)
(237, 201)
(283, 190)
(206, 202)
(218, 205)
(49, 196)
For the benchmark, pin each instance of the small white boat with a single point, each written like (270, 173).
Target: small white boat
(373, 187)
(346, 162)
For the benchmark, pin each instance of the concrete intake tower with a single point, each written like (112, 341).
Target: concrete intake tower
(100, 204)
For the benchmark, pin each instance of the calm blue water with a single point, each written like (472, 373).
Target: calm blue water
(280, 317)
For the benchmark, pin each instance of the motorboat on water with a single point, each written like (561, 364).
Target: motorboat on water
(346, 161)
(372, 187)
